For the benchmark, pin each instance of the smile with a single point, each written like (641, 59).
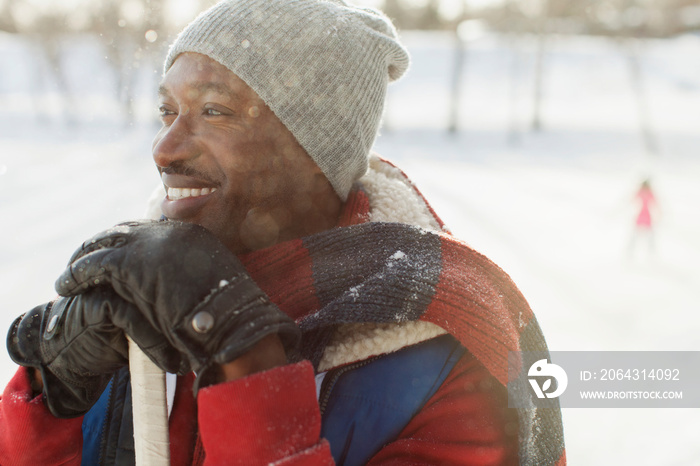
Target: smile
(186, 195)
(176, 194)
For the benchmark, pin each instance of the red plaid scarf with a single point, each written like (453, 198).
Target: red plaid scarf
(390, 272)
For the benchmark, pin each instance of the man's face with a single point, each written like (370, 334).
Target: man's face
(230, 165)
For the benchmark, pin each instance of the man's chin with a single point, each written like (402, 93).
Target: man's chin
(228, 236)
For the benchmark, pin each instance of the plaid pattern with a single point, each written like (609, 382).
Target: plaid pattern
(391, 272)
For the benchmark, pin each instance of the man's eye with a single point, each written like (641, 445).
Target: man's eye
(164, 111)
(212, 112)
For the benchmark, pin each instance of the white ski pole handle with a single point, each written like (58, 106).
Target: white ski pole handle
(150, 407)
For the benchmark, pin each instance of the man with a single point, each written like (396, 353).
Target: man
(322, 314)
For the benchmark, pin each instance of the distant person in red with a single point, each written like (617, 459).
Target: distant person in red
(643, 226)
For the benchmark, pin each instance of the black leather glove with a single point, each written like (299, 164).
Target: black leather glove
(186, 284)
(77, 344)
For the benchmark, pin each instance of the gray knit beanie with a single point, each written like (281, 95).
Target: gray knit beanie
(322, 66)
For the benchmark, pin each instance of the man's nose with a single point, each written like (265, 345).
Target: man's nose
(174, 143)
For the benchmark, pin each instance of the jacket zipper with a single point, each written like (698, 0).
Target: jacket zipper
(107, 421)
(332, 378)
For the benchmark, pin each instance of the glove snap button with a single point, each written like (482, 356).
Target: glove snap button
(202, 322)
(52, 324)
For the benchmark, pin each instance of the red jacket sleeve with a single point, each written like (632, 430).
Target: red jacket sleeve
(275, 418)
(30, 434)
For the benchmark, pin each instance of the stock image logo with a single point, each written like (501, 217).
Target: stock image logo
(541, 369)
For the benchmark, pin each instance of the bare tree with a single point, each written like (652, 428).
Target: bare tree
(457, 82)
(7, 17)
(130, 42)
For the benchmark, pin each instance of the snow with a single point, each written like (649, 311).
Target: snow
(398, 255)
(553, 208)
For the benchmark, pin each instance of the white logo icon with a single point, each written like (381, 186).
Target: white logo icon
(542, 368)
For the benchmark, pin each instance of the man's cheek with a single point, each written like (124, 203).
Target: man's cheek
(264, 187)
(259, 229)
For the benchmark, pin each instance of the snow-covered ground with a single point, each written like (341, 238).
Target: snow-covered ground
(554, 208)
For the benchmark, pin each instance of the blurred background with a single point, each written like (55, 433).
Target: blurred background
(530, 125)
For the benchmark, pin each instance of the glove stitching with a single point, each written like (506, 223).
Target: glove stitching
(56, 355)
(214, 292)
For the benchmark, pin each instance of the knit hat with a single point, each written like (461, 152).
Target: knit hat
(322, 66)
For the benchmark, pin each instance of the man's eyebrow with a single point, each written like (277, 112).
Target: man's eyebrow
(203, 87)
(219, 88)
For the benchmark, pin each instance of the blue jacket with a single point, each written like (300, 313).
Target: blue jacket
(384, 392)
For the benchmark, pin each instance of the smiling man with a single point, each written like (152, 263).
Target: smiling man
(229, 164)
(313, 306)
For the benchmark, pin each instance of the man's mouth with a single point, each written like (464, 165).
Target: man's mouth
(176, 194)
(186, 195)
(183, 186)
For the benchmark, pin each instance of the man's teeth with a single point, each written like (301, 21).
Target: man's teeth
(175, 194)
